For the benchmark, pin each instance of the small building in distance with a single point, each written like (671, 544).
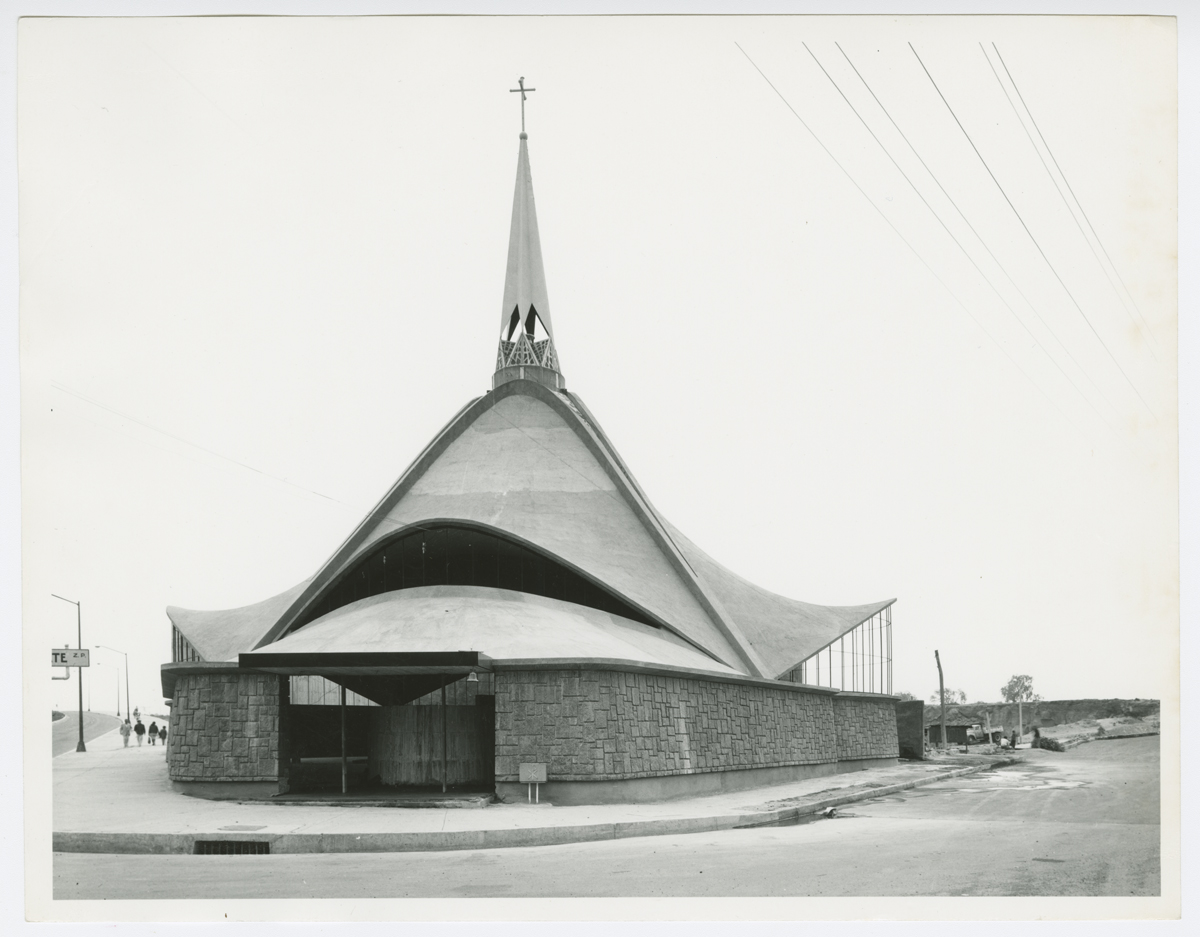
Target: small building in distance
(516, 599)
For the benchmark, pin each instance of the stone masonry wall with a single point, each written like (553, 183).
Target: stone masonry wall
(224, 727)
(866, 727)
(605, 725)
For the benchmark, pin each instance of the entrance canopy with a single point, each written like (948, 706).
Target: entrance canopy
(389, 678)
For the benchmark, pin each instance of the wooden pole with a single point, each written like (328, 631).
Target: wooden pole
(443, 735)
(942, 692)
(343, 707)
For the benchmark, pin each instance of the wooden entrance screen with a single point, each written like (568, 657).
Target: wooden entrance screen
(406, 745)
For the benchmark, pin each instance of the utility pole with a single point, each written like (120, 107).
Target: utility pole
(126, 656)
(79, 634)
(942, 692)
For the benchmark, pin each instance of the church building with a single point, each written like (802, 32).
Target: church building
(515, 608)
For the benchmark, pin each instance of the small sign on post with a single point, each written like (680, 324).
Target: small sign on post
(70, 657)
(532, 775)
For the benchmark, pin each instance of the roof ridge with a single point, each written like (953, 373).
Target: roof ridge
(716, 610)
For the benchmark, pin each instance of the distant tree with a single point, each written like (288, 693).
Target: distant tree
(1019, 690)
(953, 697)
(905, 696)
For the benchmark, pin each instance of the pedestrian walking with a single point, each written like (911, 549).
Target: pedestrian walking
(153, 733)
(162, 733)
(126, 730)
(139, 730)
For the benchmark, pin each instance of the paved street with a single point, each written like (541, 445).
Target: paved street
(1084, 822)
(66, 731)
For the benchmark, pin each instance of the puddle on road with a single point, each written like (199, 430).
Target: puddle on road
(1014, 778)
(1008, 778)
(993, 783)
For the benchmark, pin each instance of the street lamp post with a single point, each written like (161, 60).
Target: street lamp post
(115, 651)
(79, 636)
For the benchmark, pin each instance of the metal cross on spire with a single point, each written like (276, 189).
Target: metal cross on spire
(522, 89)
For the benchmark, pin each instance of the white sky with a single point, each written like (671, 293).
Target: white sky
(261, 261)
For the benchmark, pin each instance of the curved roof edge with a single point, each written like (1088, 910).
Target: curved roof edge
(426, 522)
(499, 623)
(221, 635)
(877, 606)
(785, 630)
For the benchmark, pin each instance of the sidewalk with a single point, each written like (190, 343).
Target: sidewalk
(116, 800)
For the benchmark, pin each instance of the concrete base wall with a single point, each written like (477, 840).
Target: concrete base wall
(227, 790)
(670, 787)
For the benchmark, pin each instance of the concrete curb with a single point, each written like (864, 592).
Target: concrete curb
(300, 843)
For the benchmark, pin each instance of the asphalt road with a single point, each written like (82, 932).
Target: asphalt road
(66, 731)
(1084, 822)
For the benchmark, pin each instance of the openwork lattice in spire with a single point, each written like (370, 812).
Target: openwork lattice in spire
(524, 351)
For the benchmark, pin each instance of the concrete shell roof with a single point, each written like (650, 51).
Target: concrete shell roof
(533, 464)
(521, 469)
(502, 624)
(785, 631)
(222, 635)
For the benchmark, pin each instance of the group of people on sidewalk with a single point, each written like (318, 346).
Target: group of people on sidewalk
(155, 732)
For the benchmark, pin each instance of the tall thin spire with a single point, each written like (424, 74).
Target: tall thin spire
(526, 333)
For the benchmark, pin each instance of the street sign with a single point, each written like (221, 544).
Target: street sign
(70, 657)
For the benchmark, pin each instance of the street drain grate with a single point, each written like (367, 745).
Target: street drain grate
(227, 847)
(1049, 860)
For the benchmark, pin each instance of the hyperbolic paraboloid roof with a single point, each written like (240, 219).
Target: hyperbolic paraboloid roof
(528, 464)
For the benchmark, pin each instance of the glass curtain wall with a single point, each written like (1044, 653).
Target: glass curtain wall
(859, 661)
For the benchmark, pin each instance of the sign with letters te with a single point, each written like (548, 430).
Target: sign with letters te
(70, 657)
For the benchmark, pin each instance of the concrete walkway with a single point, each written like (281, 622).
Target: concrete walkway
(117, 800)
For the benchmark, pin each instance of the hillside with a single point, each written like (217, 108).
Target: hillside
(1048, 713)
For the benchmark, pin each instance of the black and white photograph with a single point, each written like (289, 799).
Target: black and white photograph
(506, 468)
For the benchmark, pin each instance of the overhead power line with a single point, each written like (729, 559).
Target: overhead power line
(1144, 324)
(188, 442)
(946, 228)
(979, 237)
(1049, 264)
(900, 235)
